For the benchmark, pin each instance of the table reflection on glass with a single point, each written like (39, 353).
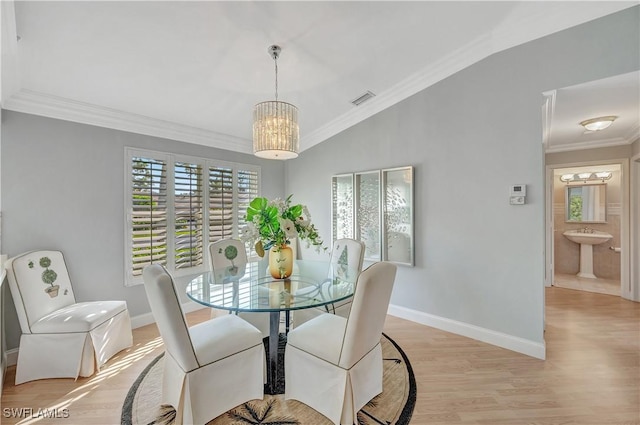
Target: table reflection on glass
(250, 288)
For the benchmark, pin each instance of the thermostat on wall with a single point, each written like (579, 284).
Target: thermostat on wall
(518, 194)
(519, 190)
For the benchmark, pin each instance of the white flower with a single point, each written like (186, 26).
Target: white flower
(288, 227)
(302, 222)
(280, 204)
(249, 233)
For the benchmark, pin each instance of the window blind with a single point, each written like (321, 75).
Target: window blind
(188, 215)
(148, 213)
(220, 203)
(177, 205)
(248, 188)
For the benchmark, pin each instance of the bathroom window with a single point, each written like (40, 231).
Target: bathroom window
(586, 203)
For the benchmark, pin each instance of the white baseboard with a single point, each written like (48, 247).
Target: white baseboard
(510, 342)
(147, 318)
(136, 322)
(12, 357)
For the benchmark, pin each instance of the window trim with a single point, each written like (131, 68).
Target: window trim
(171, 159)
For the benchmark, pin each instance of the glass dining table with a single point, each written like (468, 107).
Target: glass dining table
(250, 288)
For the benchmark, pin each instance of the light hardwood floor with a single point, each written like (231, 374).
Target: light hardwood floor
(591, 375)
(599, 285)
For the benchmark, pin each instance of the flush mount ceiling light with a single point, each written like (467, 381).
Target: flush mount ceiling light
(275, 124)
(585, 177)
(597, 124)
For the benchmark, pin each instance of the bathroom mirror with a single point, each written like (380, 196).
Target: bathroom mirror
(586, 203)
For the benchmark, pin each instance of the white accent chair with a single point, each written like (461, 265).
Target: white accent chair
(61, 338)
(333, 364)
(209, 368)
(218, 261)
(347, 256)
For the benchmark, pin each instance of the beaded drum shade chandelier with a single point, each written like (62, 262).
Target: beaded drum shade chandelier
(275, 124)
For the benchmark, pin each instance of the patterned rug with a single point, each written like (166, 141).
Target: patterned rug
(394, 406)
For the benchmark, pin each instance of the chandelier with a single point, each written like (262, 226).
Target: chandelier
(275, 124)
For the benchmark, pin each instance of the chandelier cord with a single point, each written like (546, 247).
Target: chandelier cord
(275, 59)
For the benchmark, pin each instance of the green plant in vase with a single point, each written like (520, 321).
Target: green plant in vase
(272, 224)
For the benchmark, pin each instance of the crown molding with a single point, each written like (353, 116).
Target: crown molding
(445, 67)
(51, 106)
(536, 24)
(603, 143)
(526, 28)
(633, 134)
(630, 137)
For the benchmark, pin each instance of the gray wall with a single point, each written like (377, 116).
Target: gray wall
(63, 188)
(635, 148)
(478, 259)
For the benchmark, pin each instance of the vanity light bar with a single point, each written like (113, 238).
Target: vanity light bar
(583, 177)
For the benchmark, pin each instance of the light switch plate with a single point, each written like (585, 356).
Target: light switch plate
(516, 200)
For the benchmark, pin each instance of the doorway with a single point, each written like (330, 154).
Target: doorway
(610, 258)
(587, 219)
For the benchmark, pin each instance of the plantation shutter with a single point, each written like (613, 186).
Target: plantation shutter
(188, 215)
(148, 213)
(248, 188)
(220, 203)
(176, 205)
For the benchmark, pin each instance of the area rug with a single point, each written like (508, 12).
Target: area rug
(393, 407)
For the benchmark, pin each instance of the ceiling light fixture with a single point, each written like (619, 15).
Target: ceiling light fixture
(275, 124)
(600, 123)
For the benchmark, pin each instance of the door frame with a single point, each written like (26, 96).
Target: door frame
(634, 218)
(627, 289)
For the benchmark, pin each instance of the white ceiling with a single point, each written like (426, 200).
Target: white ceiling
(192, 71)
(618, 96)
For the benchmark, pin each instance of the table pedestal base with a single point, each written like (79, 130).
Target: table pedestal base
(275, 349)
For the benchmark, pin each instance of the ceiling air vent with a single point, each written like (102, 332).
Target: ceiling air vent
(363, 98)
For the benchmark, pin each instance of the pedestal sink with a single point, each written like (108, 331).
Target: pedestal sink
(587, 239)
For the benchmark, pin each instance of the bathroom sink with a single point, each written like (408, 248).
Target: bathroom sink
(586, 241)
(594, 238)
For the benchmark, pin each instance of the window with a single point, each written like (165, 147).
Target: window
(148, 222)
(177, 205)
(188, 212)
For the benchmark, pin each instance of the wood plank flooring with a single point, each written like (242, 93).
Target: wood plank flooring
(591, 375)
(599, 285)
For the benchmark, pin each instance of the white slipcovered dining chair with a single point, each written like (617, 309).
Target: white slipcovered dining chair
(61, 338)
(347, 256)
(210, 367)
(333, 364)
(229, 254)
